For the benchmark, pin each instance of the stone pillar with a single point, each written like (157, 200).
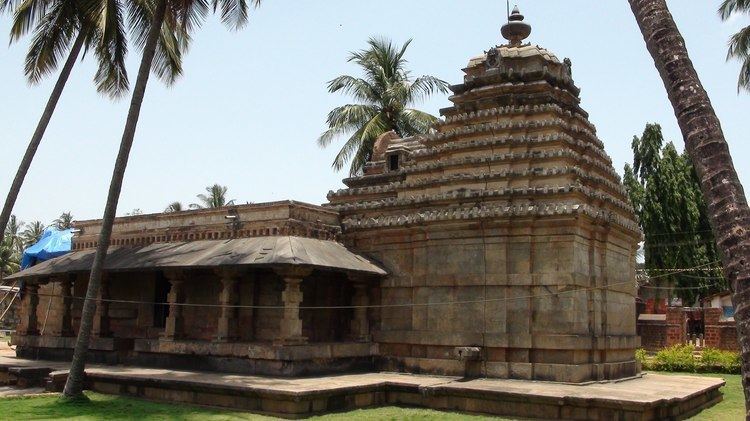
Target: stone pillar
(360, 325)
(174, 324)
(62, 316)
(227, 327)
(101, 316)
(290, 329)
(30, 321)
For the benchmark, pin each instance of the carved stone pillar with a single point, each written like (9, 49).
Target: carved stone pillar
(360, 325)
(227, 327)
(174, 325)
(30, 322)
(101, 316)
(290, 330)
(67, 306)
(61, 324)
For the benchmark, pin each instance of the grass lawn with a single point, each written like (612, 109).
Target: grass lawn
(106, 407)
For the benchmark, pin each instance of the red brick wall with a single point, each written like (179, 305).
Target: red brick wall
(676, 325)
(653, 334)
(719, 334)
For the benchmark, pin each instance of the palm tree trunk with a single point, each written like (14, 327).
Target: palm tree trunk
(74, 384)
(41, 127)
(705, 143)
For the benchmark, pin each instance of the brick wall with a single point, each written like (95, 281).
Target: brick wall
(719, 333)
(659, 334)
(653, 334)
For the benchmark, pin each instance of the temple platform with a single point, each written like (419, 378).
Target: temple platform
(649, 397)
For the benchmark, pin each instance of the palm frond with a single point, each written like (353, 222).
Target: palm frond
(425, 86)
(26, 15)
(346, 119)
(413, 122)
(51, 40)
(111, 76)
(360, 89)
(234, 13)
(729, 7)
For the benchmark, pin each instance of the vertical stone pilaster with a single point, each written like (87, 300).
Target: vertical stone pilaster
(66, 306)
(30, 321)
(227, 327)
(174, 325)
(290, 329)
(360, 324)
(101, 317)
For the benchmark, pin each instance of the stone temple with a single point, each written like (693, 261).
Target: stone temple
(501, 245)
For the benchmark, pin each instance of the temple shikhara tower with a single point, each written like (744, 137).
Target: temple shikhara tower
(500, 245)
(512, 211)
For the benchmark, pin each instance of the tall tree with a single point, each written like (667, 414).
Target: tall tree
(148, 23)
(383, 97)
(728, 210)
(665, 193)
(216, 198)
(739, 44)
(33, 233)
(61, 26)
(64, 221)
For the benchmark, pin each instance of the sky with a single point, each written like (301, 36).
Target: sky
(251, 104)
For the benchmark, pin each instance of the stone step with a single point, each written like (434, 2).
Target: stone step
(29, 376)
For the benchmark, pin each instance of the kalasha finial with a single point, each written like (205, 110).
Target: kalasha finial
(516, 30)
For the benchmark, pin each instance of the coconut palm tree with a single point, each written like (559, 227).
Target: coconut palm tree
(60, 27)
(216, 198)
(9, 257)
(148, 24)
(173, 207)
(728, 210)
(64, 221)
(383, 97)
(739, 44)
(33, 233)
(13, 230)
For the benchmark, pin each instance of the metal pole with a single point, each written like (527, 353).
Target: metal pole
(507, 3)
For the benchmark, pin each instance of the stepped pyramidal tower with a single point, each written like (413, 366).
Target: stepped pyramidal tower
(507, 230)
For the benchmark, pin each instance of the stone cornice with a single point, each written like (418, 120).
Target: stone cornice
(471, 194)
(492, 141)
(511, 125)
(472, 178)
(470, 117)
(511, 157)
(485, 211)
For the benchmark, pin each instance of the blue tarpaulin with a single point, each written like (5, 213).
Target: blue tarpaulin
(53, 244)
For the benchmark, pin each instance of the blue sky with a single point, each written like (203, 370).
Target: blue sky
(252, 103)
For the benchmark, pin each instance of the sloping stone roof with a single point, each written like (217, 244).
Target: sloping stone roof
(252, 252)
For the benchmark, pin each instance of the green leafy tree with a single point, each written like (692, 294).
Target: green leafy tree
(65, 28)
(64, 221)
(150, 23)
(33, 233)
(216, 198)
(665, 193)
(384, 96)
(739, 44)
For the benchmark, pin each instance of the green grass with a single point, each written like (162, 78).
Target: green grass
(733, 405)
(106, 407)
